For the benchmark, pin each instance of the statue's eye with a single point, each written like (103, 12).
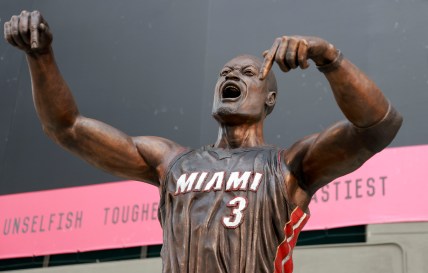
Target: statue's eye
(249, 73)
(224, 72)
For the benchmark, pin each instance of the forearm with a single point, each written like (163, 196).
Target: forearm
(53, 100)
(375, 121)
(358, 97)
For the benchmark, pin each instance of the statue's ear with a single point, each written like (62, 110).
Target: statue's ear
(271, 98)
(270, 101)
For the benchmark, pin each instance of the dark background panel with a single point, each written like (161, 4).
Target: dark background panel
(386, 39)
(149, 68)
(133, 64)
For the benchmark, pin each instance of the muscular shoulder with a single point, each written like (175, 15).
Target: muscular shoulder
(158, 152)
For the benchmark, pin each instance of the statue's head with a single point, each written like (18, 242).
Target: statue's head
(240, 96)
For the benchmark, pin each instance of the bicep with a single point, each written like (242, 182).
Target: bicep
(113, 151)
(334, 152)
(343, 148)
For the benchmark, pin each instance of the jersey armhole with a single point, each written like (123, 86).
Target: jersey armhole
(284, 186)
(291, 206)
(168, 169)
(162, 186)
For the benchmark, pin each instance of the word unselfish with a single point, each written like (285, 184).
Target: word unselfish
(43, 223)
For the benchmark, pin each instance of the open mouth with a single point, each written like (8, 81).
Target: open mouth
(231, 91)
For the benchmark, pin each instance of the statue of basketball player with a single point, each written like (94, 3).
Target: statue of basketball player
(237, 205)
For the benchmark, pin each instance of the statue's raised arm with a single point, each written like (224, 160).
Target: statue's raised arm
(371, 124)
(138, 158)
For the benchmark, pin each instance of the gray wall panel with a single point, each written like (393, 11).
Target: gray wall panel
(412, 237)
(353, 258)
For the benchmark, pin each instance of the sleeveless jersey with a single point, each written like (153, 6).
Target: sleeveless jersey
(227, 211)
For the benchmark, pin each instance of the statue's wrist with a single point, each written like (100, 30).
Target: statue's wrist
(39, 53)
(332, 64)
(328, 56)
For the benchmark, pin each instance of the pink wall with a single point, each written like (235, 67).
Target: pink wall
(388, 188)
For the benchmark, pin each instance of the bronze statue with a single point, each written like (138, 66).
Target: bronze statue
(237, 205)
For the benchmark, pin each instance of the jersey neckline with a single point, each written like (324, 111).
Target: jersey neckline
(211, 147)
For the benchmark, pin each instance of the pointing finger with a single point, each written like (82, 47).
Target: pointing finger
(34, 23)
(268, 61)
(280, 55)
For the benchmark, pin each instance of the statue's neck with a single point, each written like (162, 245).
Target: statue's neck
(240, 136)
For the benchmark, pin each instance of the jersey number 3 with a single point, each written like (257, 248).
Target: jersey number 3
(238, 205)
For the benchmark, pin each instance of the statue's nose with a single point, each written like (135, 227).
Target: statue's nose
(232, 75)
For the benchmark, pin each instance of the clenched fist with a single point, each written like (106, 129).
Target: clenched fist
(28, 32)
(290, 52)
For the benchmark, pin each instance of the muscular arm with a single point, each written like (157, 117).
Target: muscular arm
(140, 158)
(371, 122)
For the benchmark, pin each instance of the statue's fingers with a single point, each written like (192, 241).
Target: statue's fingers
(44, 28)
(291, 54)
(280, 54)
(14, 30)
(24, 20)
(268, 60)
(302, 54)
(45, 33)
(8, 33)
(5, 32)
(35, 19)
